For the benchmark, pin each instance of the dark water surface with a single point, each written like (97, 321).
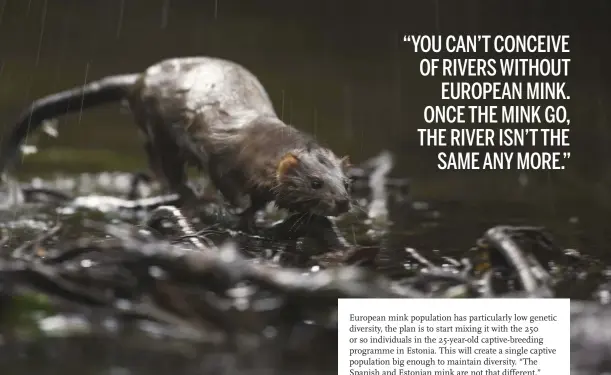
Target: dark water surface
(339, 70)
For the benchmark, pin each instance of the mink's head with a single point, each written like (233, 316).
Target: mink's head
(313, 180)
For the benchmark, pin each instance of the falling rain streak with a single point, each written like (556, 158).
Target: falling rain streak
(165, 10)
(120, 22)
(2, 10)
(348, 128)
(282, 110)
(315, 123)
(437, 21)
(42, 30)
(80, 114)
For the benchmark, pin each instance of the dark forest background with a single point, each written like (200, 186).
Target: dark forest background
(335, 68)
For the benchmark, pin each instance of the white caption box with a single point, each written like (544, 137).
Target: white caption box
(454, 336)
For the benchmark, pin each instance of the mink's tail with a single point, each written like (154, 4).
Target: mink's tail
(105, 90)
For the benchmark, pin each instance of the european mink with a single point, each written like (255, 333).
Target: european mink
(213, 114)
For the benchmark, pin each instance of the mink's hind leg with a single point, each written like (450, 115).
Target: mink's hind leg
(228, 185)
(169, 167)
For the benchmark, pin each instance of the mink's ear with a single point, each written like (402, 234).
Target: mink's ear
(346, 162)
(287, 162)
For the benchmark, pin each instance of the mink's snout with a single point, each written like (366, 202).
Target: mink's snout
(338, 207)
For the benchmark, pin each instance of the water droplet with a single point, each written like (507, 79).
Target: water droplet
(420, 206)
(604, 296)
(156, 272)
(241, 304)
(123, 304)
(270, 332)
(119, 371)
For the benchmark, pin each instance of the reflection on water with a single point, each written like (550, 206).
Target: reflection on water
(435, 228)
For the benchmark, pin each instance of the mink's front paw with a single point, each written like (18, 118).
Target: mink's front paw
(247, 222)
(186, 196)
(241, 202)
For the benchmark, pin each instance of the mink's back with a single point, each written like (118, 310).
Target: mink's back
(201, 102)
(224, 93)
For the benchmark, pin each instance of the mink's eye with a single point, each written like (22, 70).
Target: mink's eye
(316, 183)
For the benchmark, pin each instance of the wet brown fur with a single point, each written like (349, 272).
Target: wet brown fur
(215, 115)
